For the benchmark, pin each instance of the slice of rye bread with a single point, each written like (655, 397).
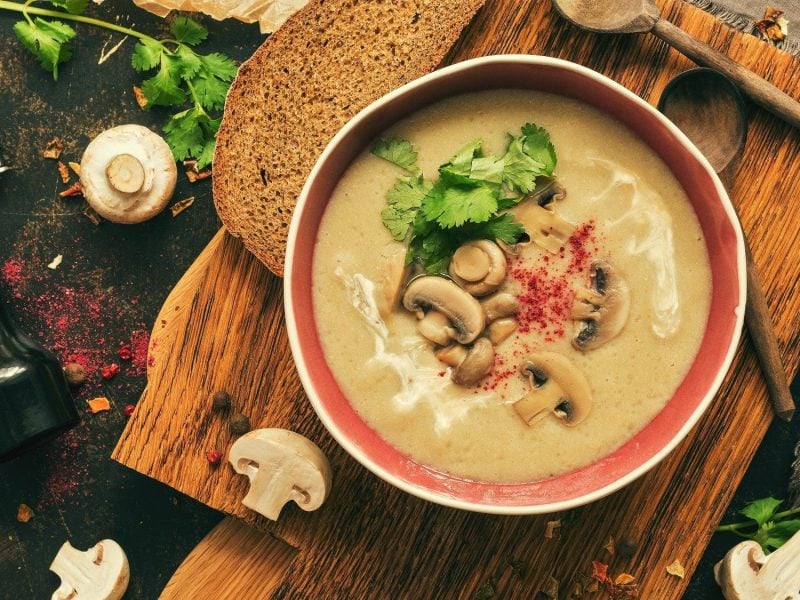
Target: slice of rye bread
(327, 62)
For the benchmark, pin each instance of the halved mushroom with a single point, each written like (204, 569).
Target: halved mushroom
(542, 225)
(501, 329)
(500, 305)
(470, 365)
(601, 310)
(430, 292)
(546, 192)
(436, 327)
(479, 267)
(128, 174)
(393, 281)
(557, 386)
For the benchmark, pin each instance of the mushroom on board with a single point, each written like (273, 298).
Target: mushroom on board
(470, 365)
(479, 267)
(601, 310)
(100, 573)
(282, 465)
(128, 174)
(464, 313)
(747, 574)
(557, 387)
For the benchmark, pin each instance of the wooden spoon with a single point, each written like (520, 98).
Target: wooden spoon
(641, 16)
(709, 109)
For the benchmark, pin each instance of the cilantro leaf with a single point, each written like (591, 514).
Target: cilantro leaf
(212, 80)
(190, 134)
(761, 511)
(222, 67)
(538, 146)
(74, 7)
(463, 204)
(404, 199)
(521, 170)
(461, 163)
(774, 535)
(47, 40)
(488, 169)
(188, 31)
(190, 62)
(501, 227)
(399, 152)
(146, 54)
(163, 89)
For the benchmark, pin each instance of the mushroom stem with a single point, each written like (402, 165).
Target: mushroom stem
(125, 173)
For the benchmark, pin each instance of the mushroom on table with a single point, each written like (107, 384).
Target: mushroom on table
(100, 573)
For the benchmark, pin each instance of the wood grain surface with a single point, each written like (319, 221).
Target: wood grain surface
(223, 328)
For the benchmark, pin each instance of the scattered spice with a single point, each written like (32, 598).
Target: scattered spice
(138, 94)
(75, 374)
(76, 168)
(600, 571)
(54, 264)
(619, 588)
(63, 172)
(192, 174)
(24, 513)
(773, 27)
(551, 588)
(92, 215)
(552, 529)
(239, 424)
(108, 372)
(676, 568)
(99, 404)
(610, 546)
(214, 457)
(181, 205)
(125, 352)
(53, 149)
(76, 189)
(624, 579)
(221, 400)
(626, 547)
(128, 410)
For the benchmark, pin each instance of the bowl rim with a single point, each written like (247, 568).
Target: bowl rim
(452, 501)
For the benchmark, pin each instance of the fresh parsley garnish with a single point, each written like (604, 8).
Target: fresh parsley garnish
(193, 83)
(468, 200)
(765, 524)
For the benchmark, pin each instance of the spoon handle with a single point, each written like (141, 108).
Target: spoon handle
(762, 334)
(759, 90)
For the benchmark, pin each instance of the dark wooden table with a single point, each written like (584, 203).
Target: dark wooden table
(107, 292)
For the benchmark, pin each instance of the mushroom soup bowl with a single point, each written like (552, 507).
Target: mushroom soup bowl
(694, 390)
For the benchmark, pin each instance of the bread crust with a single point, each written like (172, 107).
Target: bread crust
(326, 63)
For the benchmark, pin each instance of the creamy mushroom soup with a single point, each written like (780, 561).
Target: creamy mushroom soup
(630, 239)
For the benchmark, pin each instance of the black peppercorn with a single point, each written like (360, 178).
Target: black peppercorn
(221, 400)
(626, 547)
(239, 424)
(75, 374)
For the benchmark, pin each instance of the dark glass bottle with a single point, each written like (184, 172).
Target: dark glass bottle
(35, 402)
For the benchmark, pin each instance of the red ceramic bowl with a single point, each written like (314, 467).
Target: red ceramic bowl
(725, 248)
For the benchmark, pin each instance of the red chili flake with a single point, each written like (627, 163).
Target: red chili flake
(125, 352)
(128, 410)
(214, 457)
(600, 572)
(109, 371)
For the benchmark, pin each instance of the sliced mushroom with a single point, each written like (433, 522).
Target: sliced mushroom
(747, 574)
(479, 267)
(557, 386)
(500, 305)
(128, 174)
(436, 327)
(546, 192)
(542, 225)
(430, 292)
(393, 282)
(470, 365)
(501, 329)
(100, 573)
(601, 310)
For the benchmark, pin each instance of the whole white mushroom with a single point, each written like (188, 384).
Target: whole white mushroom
(128, 174)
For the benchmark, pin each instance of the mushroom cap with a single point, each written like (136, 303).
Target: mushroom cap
(128, 174)
(601, 310)
(499, 305)
(745, 573)
(102, 571)
(544, 227)
(500, 329)
(435, 326)
(440, 294)
(476, 364)
(478, 266)
(557, 386)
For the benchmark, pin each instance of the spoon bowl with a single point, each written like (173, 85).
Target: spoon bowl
(623, 16)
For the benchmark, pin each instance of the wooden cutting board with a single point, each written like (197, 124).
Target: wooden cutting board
(223, 328)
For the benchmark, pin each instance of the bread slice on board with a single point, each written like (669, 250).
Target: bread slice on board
(327, 62)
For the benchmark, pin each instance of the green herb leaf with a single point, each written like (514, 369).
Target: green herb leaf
(74, 7)
(190, 62)
(521, 170)
(538, 146)
(399, 152)
(765, 524)
(190, 133)
(164, 89)
(188, 31)
(47, 40)
(761, 511)
(501, 227)
(212, 80)
(146, 55)
(404, 199)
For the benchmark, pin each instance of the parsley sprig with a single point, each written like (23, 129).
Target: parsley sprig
(195, 83)
(468, 200)
(770, 528)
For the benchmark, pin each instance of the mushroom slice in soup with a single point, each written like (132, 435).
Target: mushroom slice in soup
(479, 267)
(556, 386)
(431, 292)
(601, 310)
